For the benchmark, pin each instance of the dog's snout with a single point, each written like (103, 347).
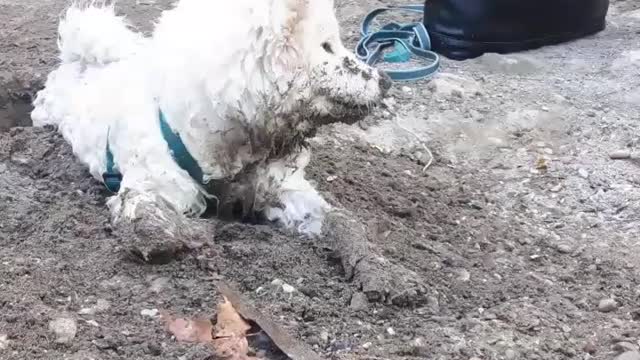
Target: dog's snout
(385, 81)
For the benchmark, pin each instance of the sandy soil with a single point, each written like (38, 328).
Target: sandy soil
(523, 231)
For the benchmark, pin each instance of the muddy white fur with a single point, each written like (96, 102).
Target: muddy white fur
(242, 82)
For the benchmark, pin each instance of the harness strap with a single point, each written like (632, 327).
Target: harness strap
(112, 178)
(408, 39)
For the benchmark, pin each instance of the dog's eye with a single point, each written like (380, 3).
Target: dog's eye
(327, 47)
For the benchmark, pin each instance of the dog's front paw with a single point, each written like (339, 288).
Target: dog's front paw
(156, 234)
(374, 275)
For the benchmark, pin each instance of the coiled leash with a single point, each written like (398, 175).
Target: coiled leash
(407, 40)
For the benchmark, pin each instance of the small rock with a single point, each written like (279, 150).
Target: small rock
(331, 178)
(556, 188)
(149, 312)
(4, 342)
(359, 302)
(583, 173)
(629, 355)
(564, 249)
(324, 337)
(65, 329)
(616, 155)
(463, 275)
(406, 89)
(390, 331)
(607, 305)
(624, 346)
(277, 282)
(510, 354)
(366, 345)
(288, 289)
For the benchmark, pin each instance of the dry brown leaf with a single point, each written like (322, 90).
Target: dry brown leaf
(230, 339)
(198, 330)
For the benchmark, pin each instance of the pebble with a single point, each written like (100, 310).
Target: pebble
(390, 331)
(149, 312)
(607, 305)
(510, 354)
(629, 355)
(277, 282)
(624, 346)
(324, 337)
(583, 173)
(331, 178)
(65, 329)
(406, 89)
(564, 249)
(288, 289)
(366, 345)
(359, 302)
(556, 188)
(463, 275)
(4, 341)
(617, 155)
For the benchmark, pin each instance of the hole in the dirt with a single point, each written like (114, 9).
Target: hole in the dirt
(15, 109)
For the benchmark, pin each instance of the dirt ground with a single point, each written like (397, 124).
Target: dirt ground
(524, 231)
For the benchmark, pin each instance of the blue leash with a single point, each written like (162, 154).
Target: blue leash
(408, 39)
(112, 177)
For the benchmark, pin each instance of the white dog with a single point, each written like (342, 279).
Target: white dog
(216, 104)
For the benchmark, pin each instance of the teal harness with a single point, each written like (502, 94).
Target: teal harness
(112, 178)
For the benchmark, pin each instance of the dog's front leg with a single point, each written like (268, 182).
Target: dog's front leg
(153, 230)
(363, 264)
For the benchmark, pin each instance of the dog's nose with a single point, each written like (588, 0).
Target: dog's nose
(385, 81)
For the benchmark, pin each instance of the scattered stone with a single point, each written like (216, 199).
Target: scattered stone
(366, 345)
(556, 188)
(390, 331)
(359, 302)
(277, 282)
(463, 275)
(324, 337)
(607, 305)
(510, 354)
(331, 178)
(624, 346)
(406, 89)
(583, 173)
(288, 289)
(4, 342)
(149, 312)
(629, 355)
(564, 249)
(65, 329)
(617, 155)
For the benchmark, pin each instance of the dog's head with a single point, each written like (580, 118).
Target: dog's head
(329, 79)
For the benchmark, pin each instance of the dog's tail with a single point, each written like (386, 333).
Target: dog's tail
(94, 35)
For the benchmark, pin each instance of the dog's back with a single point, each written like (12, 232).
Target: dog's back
(88, 37)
